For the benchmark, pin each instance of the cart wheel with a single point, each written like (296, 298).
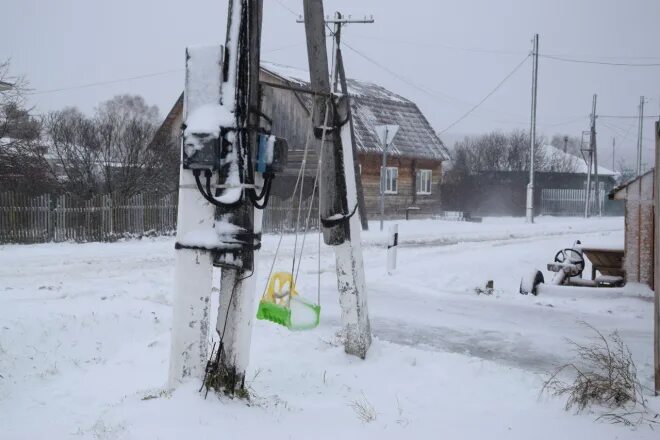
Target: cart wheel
(529, 283)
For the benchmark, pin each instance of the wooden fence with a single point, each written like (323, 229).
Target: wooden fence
(569, 202)
(281, 215)
(45, 218)
(26, 219)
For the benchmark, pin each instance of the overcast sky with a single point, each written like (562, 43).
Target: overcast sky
(444, 55)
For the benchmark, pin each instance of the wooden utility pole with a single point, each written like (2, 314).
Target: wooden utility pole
(338, 189)
(532, 132)
(656, 263)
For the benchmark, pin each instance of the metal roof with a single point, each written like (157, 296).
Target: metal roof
(374, 105)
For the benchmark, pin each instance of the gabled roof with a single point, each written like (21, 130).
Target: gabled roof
(374, 105)
(614, 193)
(578, 164)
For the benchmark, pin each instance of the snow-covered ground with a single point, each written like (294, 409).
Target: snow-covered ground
(84, 342)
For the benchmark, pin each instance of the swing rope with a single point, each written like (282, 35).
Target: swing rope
(309, 209)
(299, 178)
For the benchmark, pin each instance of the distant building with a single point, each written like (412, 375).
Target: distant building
(560, 181)
(415, 157)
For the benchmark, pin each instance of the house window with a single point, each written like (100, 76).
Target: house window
(424, 181)
(391, 179)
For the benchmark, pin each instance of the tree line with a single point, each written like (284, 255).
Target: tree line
(510, 151)
(117, 149)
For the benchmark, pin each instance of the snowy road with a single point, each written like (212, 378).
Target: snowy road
(84, 338)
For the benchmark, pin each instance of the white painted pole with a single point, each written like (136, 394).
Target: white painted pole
(350, 267)
(193, 272)
(532, 133)
(393, 241)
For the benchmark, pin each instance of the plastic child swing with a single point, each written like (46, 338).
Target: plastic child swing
(281, 302)
(281, 299)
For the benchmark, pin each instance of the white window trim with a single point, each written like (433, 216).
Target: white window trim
(383, 179)
(430, 181)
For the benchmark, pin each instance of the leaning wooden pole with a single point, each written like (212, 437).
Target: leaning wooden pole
(338, 190)
(656, 263)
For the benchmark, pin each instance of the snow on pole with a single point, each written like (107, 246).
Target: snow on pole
(193, 274)
(393, 241)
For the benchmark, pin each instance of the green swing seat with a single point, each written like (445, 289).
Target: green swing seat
(276, 305)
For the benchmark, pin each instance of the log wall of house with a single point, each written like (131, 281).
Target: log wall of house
(406, 196)
(291, 121)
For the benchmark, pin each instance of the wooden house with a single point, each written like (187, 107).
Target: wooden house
(638, 195)
(415, 157)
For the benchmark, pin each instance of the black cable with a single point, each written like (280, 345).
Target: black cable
(477, 105)
(231, 297)
(208, 196)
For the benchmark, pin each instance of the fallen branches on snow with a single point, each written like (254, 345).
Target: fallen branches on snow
(605, 375)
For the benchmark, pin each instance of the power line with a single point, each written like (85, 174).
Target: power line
(515, 69)
(605, 63)
(103, 83)
(294, 13)
(628, 117)
(446, 46)
(396, 75)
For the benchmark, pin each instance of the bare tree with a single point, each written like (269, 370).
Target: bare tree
(74, 146)
(131, 159)
(497, 151)
(114, 151)
(22, 162)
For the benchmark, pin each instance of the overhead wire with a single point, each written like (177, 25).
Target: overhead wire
(497, 87)
(604, 63)
(103, 83)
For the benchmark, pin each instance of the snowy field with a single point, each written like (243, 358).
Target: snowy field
(84, 342)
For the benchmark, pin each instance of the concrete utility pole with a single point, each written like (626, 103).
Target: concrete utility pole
(532, 132)
(639, 136)
(594, 149)
(613, 152)
(338, 190)
(217, 223)
(656, 264)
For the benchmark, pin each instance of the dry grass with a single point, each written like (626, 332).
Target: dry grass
(604, 375)
(364, 409)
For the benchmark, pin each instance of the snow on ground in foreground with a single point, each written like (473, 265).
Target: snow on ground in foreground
(84, 342)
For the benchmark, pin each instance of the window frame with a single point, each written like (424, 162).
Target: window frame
(419, 180)
(386, 180)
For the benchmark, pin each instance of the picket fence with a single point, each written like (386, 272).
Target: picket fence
(45, 218)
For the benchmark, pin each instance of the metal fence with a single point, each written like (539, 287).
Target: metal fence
(45, 218)
(569, 202)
